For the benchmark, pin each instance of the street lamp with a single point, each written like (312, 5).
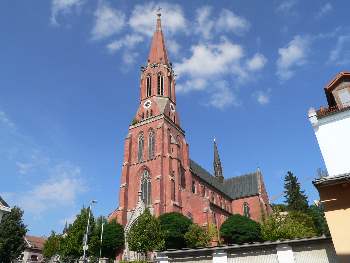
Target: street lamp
(85, 247)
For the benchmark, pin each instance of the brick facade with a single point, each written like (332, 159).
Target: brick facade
(174, 181)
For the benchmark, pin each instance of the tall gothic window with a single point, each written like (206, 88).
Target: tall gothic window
(160, 89)
(246, 210)
(173, 190)
(151, 144)
(148, 86)
(170, 87)
(146, 187)
(140, 148)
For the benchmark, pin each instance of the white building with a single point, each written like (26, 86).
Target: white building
(332, 126)
(4, 208)
(332, 129)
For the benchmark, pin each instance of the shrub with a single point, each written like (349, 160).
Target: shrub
(197, 237)
(289, 225)
(174, 226)
(240, 229)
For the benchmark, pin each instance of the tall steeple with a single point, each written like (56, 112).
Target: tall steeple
(217, 164)
(158, 53)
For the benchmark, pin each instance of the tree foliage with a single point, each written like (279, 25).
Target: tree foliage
(196, 236)
(288, 225)
(12, 232)
(239, 229)
(72, 245)
(112, 238)
(295, 198)
(318, 217)
(52, 245)
(174, 226)
(145, 234)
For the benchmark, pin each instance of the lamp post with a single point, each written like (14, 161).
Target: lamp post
(87, 231)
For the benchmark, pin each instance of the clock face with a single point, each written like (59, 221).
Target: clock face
(147, 104)
(172, 107)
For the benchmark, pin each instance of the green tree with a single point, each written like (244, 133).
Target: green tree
(288, 225)
(197, 237)
(296, 200)
(52, 245)
(145, 234)
(239, 229)
(318, 217)
(174, 226)
(72, 245)
(12, 232)
(112, 238)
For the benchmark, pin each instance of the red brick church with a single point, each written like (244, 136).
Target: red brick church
(157, 170)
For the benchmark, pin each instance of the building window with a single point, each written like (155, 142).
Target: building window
(172, 190)
(203, 191)
(246, 210)
(344, 96)
(214, 219)
(34, 257)
(160, 89)
(182, 176)
(170, 87)
(146, 187)
(140, 148)
(151, 144)
(148, 86)
(193, 186)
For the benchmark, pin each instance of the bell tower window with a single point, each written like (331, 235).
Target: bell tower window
(148, 86)
(151, 145)
(146, 187)
(160, 90)
(140, 148)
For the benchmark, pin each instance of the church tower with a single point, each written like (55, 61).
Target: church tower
(217, 164)
(156, 161)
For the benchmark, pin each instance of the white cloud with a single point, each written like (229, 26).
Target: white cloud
(143, 18)
(292, 56)
(226, 22)
(60, 190)
(5, 120)
(210, 60)
(173, 46)
(204, 23)
(257, 62)
(108, 21)
(63, 7)
(222, 96)
(324, 10)
(340, 55)
(286, 6)
(263, 97)
(230, 22)
(128, 42)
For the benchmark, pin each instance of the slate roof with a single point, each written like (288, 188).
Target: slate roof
(235, 187)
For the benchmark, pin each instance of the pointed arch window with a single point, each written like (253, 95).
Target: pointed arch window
(170, 87)
(140, 148)
(160, 87)
(173, 190)
(246, 210)
(151, 144)
(149, 86)
(146, 187)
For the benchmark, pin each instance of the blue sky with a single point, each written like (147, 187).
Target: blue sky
(248, 71)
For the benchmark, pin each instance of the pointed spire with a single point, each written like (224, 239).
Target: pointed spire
(217, 163)
(158, 53)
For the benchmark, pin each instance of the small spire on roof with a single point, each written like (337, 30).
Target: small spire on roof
(217, 163)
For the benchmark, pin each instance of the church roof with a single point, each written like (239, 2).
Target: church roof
(235, 187)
